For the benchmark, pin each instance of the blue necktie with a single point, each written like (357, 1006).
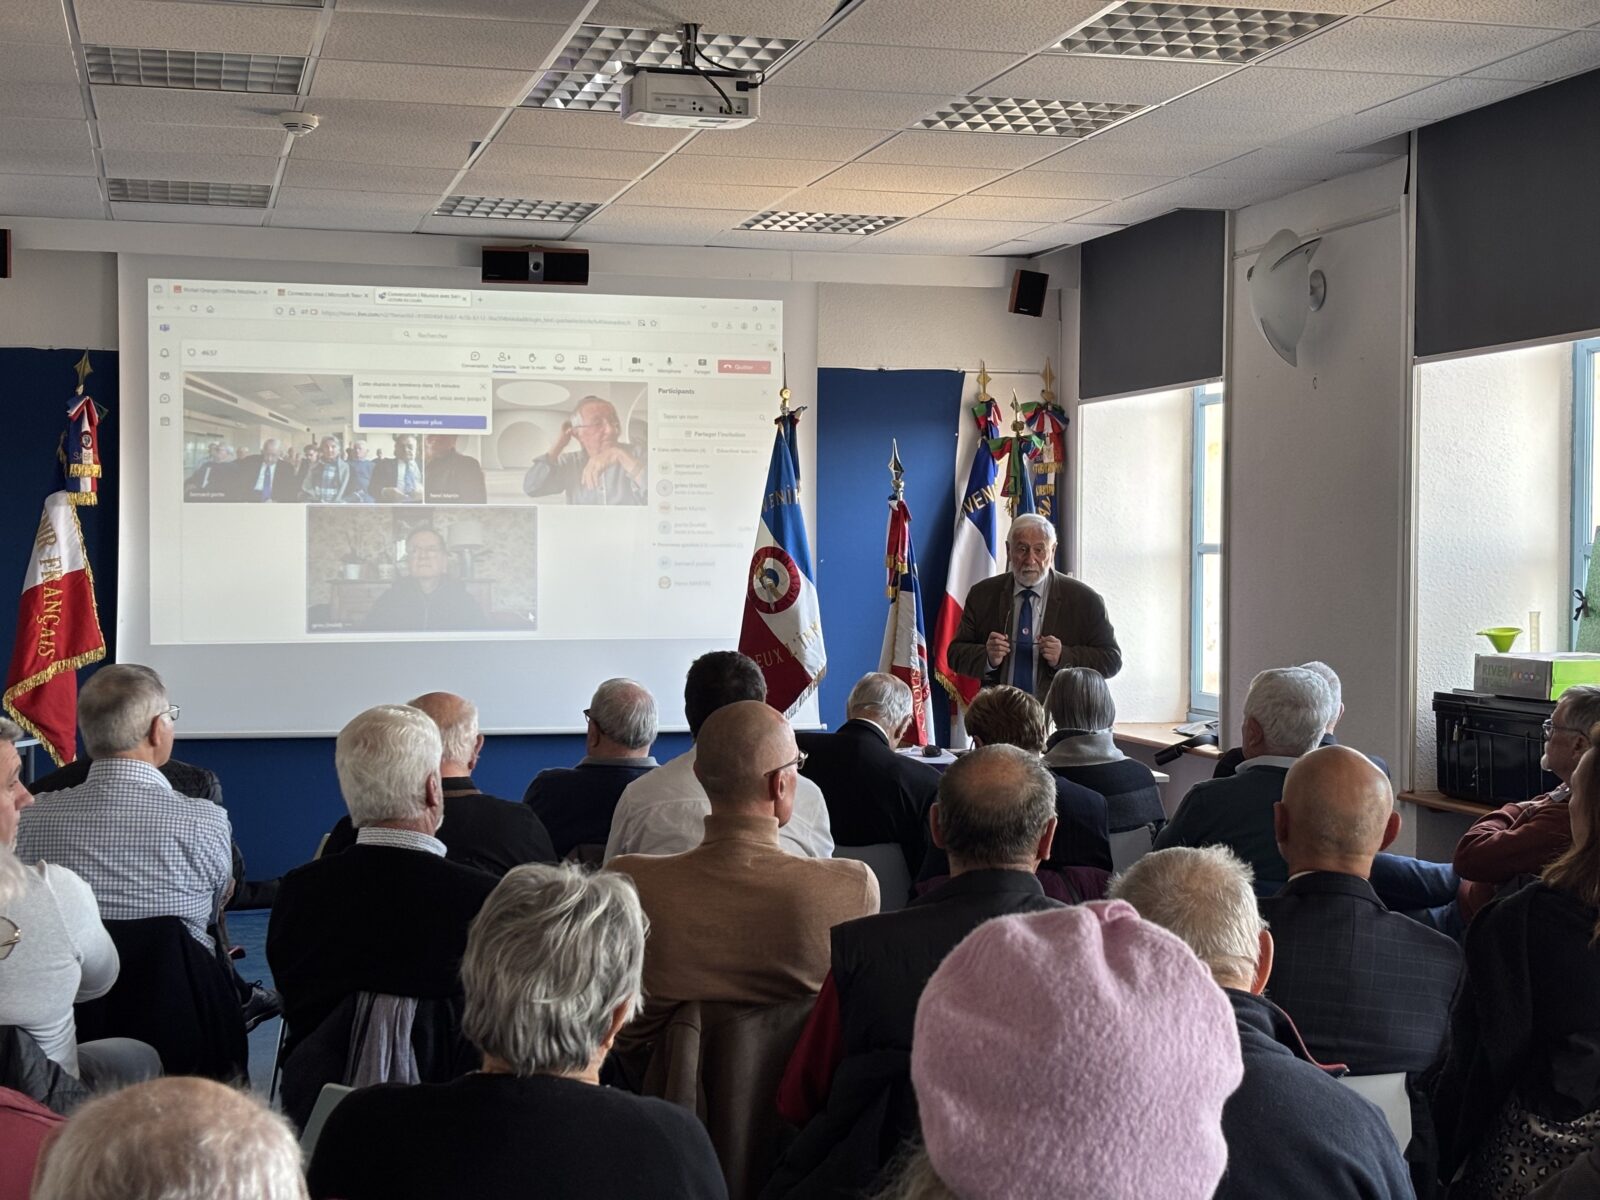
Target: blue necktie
(266, 482)
(1022, 652)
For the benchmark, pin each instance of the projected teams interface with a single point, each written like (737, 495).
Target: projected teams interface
(370, 463)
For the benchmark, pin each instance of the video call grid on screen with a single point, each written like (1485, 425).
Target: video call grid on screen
(356, 463)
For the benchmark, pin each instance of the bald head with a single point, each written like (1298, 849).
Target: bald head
(457, 719)
(1337, 812)
(737, 753)
(996, 808)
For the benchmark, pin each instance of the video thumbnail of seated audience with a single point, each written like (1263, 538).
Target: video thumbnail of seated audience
(421, 569)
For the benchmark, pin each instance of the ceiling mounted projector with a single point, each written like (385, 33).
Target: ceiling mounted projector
(1284, 289)
(689, 96)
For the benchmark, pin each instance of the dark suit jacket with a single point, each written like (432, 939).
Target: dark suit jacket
(241, 480)
(1235, 812)
(1228, 764)
(454, 479)
(576, 803)
(1075, 614)
(873, 794)
(479, 831)
(386, 474)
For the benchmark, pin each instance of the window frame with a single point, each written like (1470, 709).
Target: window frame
(1202, 704)
(1583, 424)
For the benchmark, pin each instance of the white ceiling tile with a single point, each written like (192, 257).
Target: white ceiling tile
(786, 141)
(1071, 233)
(439, 135)
(503, 228)
(1015, 208)
(1451, 97)
(50, 196)
(584, 130)
(1556, 60)
(769, 18)
(169, 106)
(207, 168)
(769, 239)
(537, 186)
(1276, 89)
(1557, 14)
(24, 63)
(342, 80)
(1132, 210)
(1061, 185)
(885, 177)
(191, 139)
(61, 101)
(189, 214)
(1303, 165)
(1124, 81)
(827, 199)
(41, 147)
(443, 41)
(586, 164)
(365, 177)
(172, 25)
(397, 148)
(930, 235)
(665, 193)
(932, 148)
(329, 200)
(773, 172)
(1372, 44)
(1107, 155)
(845, 108)
(649, 226)
(1187, 121)
(904, 69)
(33, 23)
(1218, 193)
(494, 10)
(1349, 133)
(1022, 26)
(370, 220)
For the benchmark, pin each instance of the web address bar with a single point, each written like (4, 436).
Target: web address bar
(498, 337)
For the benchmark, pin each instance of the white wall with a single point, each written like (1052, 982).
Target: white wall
(1133, 521)
(896, 326)
(59, 298)
(1494, 453)
(1316, 462)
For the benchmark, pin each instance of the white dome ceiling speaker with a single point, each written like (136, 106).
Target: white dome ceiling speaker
(1284, 289)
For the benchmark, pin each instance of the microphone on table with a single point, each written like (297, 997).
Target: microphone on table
(1207, 737)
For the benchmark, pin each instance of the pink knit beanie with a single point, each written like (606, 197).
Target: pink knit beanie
(1079, 1052)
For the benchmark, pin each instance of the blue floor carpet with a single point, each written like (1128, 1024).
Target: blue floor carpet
(249, 929)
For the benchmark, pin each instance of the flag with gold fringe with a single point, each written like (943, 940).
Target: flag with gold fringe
(905, 644)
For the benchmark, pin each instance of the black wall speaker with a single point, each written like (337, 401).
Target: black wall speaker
(5, 254)
(535, 264)
(1027, 293)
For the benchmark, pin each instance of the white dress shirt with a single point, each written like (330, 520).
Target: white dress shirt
(664, 811)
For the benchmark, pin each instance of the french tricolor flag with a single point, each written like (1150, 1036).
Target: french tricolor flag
(973, 553)
(905, 647)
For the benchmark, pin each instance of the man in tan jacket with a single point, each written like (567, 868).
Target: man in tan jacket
(737, 919)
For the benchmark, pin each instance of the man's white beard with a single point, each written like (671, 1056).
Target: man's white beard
(1029, 575)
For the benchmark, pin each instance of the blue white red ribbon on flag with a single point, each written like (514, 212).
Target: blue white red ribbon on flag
(973, 553)
(905, 646)
(782, 629)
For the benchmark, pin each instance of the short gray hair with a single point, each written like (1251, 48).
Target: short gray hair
(550, 956)
(994, 803)
(1583, 706)
(879, 692)
(1026, 519)
(385, 758)
(1335, 689)
(625, 711)
(116, 706)
(1079, 699)
(1206, 896)
(10, 731)
(172, 1139)
(458, 737)
(1291, 706)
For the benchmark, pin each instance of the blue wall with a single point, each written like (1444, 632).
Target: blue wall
(282, 794)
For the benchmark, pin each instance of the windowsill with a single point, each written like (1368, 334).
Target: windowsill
(1159, 735)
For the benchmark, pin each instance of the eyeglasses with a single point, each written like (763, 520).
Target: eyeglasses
(171, 713)
(798, 762)
(588, 715)
(1550, 727)
(8, 941)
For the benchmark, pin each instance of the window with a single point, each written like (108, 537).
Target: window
(1205, 580)
(1585, 465)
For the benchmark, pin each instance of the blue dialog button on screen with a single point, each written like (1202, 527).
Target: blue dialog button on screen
(421, 421)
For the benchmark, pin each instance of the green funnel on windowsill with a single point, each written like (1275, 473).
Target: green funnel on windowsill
(1501, 637)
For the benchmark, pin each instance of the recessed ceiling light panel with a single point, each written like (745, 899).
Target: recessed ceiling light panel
(512, 209)
(185, 191)
(1051, 118)
(202, 70)
(592, 68)
(1205, 32)
(782, 221)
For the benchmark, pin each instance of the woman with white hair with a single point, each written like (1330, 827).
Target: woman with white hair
(1083, 751)
(552, 974)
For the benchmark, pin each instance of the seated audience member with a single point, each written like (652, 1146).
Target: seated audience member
(1580, 1181)
(1006, 716)
(664, 811)
(451, 477)
(576, 803)
(428, 597)
(211, 478)
(389, 915)
(1293, 1130)
(1285, 712)
(479, 830)
(263, 478)
(604, 470)
(1514, 843)
(397, 480)
(1519, 1096)
(1106, 1077)
(361, 464)
(1228, 764)
(995, 818)
(874, 795)
(143, 849)
(172, 1139)
(25, 1126)
(327, 478)
(737, 918)
(1083, 751)
(552, 972)
(1366, 987)
(54, 952)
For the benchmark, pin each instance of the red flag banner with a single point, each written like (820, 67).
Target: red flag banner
(58, 631)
